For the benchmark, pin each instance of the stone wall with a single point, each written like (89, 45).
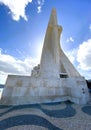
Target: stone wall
(24, 90)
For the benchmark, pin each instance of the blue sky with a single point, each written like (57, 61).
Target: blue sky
(22, 29)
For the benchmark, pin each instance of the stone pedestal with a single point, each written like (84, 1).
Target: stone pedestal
(30, 90)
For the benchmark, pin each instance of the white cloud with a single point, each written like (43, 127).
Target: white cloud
(84, 55)
(3, 77)
(39, 9)
(90, 27)
(70, 39)
(72, 55)
(11, 65)
(72, 58)
(16, 7)
(40, 4)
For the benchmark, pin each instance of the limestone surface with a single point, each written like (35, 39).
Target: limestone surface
(54, 79)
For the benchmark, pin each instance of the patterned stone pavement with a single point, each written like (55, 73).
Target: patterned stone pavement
(49, 116)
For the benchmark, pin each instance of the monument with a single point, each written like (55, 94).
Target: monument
(54, 79)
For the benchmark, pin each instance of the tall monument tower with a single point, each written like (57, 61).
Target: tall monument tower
(55, 79)
(53, 60)
(50, 59)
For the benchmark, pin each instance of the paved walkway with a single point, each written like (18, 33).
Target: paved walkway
(49, 116)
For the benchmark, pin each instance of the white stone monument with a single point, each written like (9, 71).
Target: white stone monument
(55, 79)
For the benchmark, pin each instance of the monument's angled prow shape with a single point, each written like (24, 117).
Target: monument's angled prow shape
(55, 79)
(53, 60)
(50, 59)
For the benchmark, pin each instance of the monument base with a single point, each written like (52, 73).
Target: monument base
(30, 90)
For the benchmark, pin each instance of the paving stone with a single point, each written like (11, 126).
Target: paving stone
(51, 116)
